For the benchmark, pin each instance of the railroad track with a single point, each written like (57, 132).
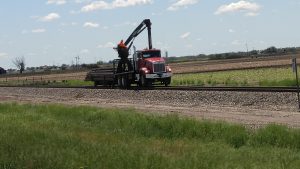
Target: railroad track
(235, 89)
(180, 88)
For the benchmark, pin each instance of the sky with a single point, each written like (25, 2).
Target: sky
(54, 32)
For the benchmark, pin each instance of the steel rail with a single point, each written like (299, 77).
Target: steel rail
(178, 88)
(234, 89)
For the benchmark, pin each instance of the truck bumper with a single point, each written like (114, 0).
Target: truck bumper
(158, 75)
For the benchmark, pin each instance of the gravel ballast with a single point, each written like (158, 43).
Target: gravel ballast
(242, 107)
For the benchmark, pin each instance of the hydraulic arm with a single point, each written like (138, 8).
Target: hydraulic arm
(124, 64)
(145, 24)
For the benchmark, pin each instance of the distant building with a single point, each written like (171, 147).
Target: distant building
(2, 71)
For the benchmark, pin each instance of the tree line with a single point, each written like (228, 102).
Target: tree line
(271, 51)
(20, 62)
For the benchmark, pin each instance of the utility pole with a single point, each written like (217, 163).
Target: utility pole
(247, 49)
(167, 55)
(77, 58)
(295, 70)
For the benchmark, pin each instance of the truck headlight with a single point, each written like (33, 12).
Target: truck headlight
(145, 70)
(169, 69)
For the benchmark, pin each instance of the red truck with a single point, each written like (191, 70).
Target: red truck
(145, 68)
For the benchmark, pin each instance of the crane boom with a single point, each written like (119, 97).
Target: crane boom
(139, 29)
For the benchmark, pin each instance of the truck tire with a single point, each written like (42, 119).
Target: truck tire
(120, 85)
(96, 83)
(145, 82)
(124, 82)
(167, 81)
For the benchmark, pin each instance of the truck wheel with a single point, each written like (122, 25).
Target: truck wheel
(95, 83)
(120, 82)
(167, 81)
(143, 81)
(124, 82)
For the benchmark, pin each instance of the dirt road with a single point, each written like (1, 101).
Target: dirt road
(251, 109)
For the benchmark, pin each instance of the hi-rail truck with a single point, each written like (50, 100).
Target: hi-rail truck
(145, 68)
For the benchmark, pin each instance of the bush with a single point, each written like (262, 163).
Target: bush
(276, 136)
(230, 82)
(285, 82)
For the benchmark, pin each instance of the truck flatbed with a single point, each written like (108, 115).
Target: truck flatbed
(101, 76)
(107, 76)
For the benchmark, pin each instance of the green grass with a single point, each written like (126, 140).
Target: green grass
(77, 83)
(55, 136)
(250, 77)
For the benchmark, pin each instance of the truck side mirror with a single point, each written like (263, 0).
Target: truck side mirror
(139, 56)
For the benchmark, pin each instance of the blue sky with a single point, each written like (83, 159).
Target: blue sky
(53, 32)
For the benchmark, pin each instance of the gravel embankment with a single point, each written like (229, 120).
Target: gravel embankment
(269, 101)
(243, 107)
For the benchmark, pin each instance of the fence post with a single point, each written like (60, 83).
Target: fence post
(295, 69)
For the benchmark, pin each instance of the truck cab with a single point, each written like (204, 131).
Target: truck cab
(150, 67)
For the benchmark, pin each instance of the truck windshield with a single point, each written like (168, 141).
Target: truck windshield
(151, 54)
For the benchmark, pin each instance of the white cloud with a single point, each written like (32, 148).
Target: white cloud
(100, 5)
(127, 3)
(214, 44)
(50, 17)
(156, 13)
(61, 30)
(3, 54)
(97, 5)
(68, 24)
(252, 14)
(105, 27)
(82, 1)
(24, 32)
(236, 42)
(84, 51)
(185, 35)
(189, 46)
(34, 17)
(107, 45)
(250, 8)
(90, 25)
(74, 23)
(31, 54)
(38, 30)
(126, 24)
(181, 3)
(73, 12)
(57, 2)
(159, 43)
(231, 31)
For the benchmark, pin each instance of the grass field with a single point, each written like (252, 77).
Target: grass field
(55, 136)
(250, 77)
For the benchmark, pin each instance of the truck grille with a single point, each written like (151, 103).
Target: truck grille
(159, 67)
